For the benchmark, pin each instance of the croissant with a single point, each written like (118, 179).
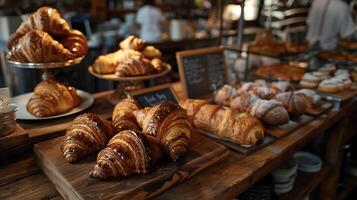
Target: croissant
(168, 123)
(76, 43)
(224, 95)
(132, 42)
(51, 98)
(292, 102)
(123, 118)
(240, 127)
(39, 47)
(134, 66)
(45, 19)
(87, 134)
(150, 52)
(157, 64)
(269, 112)
(128, 152)
(106, 64)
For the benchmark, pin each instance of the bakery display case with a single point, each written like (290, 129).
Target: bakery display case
(177, 121)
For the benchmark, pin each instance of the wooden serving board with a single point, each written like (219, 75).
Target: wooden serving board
(237, 147)
(10, 142)
(73, 181)
(292, 125)
(319, 109)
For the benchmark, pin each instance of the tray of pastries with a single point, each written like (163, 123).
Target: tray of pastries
(135, 60)
(51, 99)
(338, 57)
(288, 71)
(46, 40)
(139, 154)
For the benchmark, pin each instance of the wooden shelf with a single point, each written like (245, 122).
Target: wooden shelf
(305, 183)
(347, 188)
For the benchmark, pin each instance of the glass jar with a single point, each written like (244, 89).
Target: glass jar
(8, 120)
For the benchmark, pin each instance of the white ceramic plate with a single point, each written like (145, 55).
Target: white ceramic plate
(86, 101)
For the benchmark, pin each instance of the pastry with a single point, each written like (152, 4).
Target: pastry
(330, 68)
(76, 43)
(123, 117)
(240, 127)
(293, 103)
(310, 97)
(157, 64)
(87, 134)
(150, 52)
(330, 86)
(133, 43)
(282, 86)
(224, 95)
(107, 64)
(269, 112)
(39, 47)
(128, 152)
(134, 66)
(263, 92)
(308, 84)
(52, 98)
(45, 19)
(169, 124)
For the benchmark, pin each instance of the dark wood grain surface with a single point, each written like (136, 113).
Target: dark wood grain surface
(73, 181)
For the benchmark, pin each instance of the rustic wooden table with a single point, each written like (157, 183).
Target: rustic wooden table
(21, 178)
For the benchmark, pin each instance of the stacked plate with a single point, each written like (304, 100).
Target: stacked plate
(260, 191)
(284, 177)
(308, 162)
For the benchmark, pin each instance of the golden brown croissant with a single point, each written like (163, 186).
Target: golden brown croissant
(270, 112)
(134, 66)
(76, 43)
(168, 123)
(292, 102)
(123, 118)
(39, 47)
(150, 52)
(51, 98)
(45, 19)
(132, 42)
(87, 134)
(106, 64)
(157, 64)
(240, 127)
(128, 152)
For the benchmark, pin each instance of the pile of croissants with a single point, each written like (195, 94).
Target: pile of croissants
(271, 104)
(133, 142)
(134, 58)
(46, 37)
(51, 98)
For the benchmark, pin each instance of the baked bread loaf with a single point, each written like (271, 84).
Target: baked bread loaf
(134, 66)
(39, 47)
(293, 103)
(240, 127)
(107, 64)
(87, 134)
(169, 124)
(123, 117)
(282, 86)
(52, 98)
(310, 97)
(263, 92)
(45, 19)
(133, 43)
(269, 112)
(150, 52)
(128, 152)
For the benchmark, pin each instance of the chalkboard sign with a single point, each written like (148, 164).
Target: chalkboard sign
(151, 96)
(201, 71)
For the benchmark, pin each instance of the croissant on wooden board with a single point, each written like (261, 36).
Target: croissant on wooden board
(269, 112)
(52, 98)
(39, 47)
(123, 117)
(132, 42)
(107, 64)
(87, 134)
(134, 66)
(240, 127)
(128, 152)
(45, 19)
(294, 104)
(169, 124)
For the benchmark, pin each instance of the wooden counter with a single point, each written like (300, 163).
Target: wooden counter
(21, 177)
